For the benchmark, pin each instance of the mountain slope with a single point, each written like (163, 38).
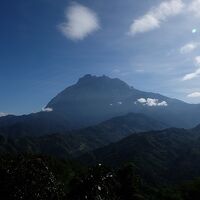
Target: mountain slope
(93, 100)
(33, 124)
(164, 156)
(74, 143)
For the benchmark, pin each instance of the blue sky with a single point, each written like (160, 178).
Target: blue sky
(46, 45)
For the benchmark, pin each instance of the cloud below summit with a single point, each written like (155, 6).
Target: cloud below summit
(47, 109)
(3, 114)
(151, 102)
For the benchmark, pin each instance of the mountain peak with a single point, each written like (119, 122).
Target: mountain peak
(104, 80)
(89, 77)
(86, 77)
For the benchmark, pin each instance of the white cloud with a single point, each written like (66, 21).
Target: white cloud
(142, 100)
(81, 21)
(152, 102)
(194, 74)
(47, 109)
(194, 95)
(120, 103)
(3, 114)
(189, 47)
(163, 103)
(194, 7)
(197, 60)
(191, 76)
(156, 16)
(143, 24)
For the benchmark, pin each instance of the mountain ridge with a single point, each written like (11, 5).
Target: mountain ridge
(93, 100)
(73, 143)
(160, 157)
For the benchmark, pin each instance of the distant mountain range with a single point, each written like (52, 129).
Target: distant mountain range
(74, 143)
(93, 100)
(159, 155)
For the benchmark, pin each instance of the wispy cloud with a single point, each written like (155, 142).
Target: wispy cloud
(188, 48)
(194, 74)
(80, 22)
(151, 102)
(116, 71)
(156, 16)
(144, 24)
(140, 70)
(194, 95)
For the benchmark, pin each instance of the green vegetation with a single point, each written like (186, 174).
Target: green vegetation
(164, 157)
(154, 165)
(37, 177)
